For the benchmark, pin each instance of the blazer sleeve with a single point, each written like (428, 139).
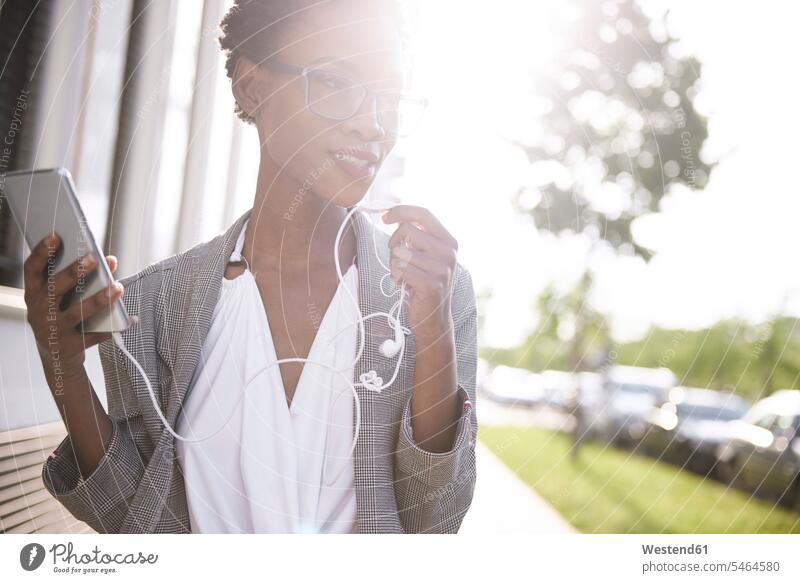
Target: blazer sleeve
(102, 499)
(434, 490)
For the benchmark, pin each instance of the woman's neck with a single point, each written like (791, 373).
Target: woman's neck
(292, 228)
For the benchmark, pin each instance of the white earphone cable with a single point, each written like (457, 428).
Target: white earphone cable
(369, 380)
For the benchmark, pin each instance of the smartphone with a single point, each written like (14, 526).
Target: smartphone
(44, 202)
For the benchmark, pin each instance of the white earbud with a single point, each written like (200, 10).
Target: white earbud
(389, 348)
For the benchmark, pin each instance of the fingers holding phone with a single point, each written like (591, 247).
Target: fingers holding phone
(58, 331)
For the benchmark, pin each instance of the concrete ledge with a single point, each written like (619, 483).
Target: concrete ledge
(12, 300)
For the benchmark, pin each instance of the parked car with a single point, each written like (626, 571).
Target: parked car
(763, 452)
(632, 392)
(559, 387)
(689, 427)
(515, 386)
(593, 399)
(482, 375)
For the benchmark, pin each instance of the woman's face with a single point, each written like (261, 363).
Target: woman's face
(335, 160)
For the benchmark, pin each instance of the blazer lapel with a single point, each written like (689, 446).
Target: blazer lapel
(371, 299)
(206, 268)
(373, 456)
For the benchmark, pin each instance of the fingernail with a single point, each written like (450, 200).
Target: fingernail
(118, 287)
(403, 253)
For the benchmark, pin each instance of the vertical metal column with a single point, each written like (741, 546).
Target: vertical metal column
(140, 134)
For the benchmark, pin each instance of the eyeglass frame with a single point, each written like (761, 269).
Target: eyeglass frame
(304, 71)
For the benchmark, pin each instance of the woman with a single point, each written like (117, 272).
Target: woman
(322, 83)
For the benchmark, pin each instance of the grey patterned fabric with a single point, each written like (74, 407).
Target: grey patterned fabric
(138, 486)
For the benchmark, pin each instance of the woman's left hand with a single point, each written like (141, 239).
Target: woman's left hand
(427, 264)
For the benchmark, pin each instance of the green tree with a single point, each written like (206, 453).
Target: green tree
(620, 129)
(552, 344)
(753, 360)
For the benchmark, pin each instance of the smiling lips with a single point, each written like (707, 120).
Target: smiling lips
(357, 164)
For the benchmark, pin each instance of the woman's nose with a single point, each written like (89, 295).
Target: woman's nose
(366, 122)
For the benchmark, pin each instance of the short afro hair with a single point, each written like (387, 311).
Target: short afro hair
(255, 29)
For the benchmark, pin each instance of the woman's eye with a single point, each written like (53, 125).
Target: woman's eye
(334, 82)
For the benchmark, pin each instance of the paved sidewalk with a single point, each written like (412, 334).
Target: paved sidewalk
(503, 503)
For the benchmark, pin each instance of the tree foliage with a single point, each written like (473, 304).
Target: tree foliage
(753, 360)
(619, 127)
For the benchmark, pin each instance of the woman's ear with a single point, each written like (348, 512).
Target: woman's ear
(247, 86)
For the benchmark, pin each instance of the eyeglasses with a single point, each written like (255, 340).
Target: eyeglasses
(335, 97)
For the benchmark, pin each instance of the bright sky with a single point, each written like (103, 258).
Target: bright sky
(727, 251)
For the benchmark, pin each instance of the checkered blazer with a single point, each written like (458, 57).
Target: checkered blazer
(138, 486)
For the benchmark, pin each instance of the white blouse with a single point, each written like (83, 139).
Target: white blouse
(263, 473)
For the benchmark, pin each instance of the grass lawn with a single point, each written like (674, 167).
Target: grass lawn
(610, 490)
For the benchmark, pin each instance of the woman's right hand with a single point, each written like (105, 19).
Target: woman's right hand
(58, 338)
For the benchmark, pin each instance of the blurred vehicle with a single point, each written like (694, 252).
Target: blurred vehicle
(763, 452)
(591, 397)
(482, 375)
(632, 392)
(558, 387)
(691, 425)
(515, 386)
